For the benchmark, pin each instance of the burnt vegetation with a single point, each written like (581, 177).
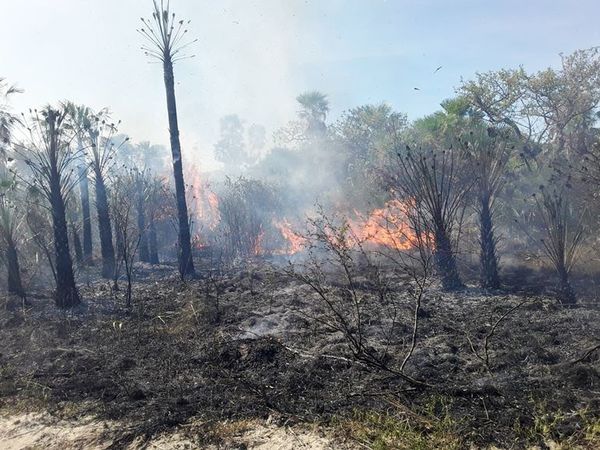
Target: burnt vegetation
(424, 284)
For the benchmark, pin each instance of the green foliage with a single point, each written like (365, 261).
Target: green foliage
(442, 128)
(367, 136)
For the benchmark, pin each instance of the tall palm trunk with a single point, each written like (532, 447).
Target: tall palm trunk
(15, 286)
(66, 294)
(487, 242)
(141, 223)
(77, 244)
(153, 244)
(186, 264)
(85, 210)
(445, 259)
(104, 228)
(566, 293)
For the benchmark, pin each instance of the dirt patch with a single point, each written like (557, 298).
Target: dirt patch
(41, 431)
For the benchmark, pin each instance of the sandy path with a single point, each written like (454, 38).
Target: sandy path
(35, 431)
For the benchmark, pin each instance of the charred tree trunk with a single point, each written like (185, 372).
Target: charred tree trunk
(15, 286)
(186, 264)
(445, 260)
(120, 258)
(153, 244)
(566, 293)
(66, 294)
(141, 223)
(487, 242)
(85, 210)
(104, 228)
(77, 244)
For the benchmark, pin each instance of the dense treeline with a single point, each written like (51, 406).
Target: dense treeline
(512, 154)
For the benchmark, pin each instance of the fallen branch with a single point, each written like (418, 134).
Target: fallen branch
(586, 355)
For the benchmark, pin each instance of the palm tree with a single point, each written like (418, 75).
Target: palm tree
(11, 218)
(140, 182)
(10, 215)
(429, 181)
(487, 153)
(7, 119)
(101, 157)
(48, 153)
(81, 117)
(314, 109)
(166, 37)
(99, 133)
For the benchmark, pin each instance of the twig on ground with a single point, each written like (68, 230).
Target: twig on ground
(586, 354)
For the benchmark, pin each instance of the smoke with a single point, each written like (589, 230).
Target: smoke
(245, 64)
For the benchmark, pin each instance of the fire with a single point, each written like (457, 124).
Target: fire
(203, 204)
(295, 242)
(214, 214)
(385, 226)
(257, 250)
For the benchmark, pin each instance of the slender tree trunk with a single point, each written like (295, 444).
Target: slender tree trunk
(104, 228)
(120, 256)
(153, 244)
(66, 294)
(445, 260)
(15, 285)
(77, 244)
(128, 272)
(141, 223)
(487, 241)
(186, 264)
(85, 210)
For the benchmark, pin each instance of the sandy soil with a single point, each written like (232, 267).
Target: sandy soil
(41, 431)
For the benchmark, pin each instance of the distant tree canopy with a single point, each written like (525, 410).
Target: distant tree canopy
(231, 148)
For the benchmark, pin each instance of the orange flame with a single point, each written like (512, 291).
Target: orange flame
(295, 242)
(258, 245)
(214, 215)
(204, 205)
(385, 226)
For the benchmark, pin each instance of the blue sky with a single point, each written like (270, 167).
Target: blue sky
(254, 56)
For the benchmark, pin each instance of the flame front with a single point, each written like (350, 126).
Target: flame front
(387, 226)
(215, 215)
(295, 242)
(383, 227)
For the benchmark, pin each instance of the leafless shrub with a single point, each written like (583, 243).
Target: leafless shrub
(127, 232)
(483, 353)
(357, 297)
(412, 255)
(247, 208)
